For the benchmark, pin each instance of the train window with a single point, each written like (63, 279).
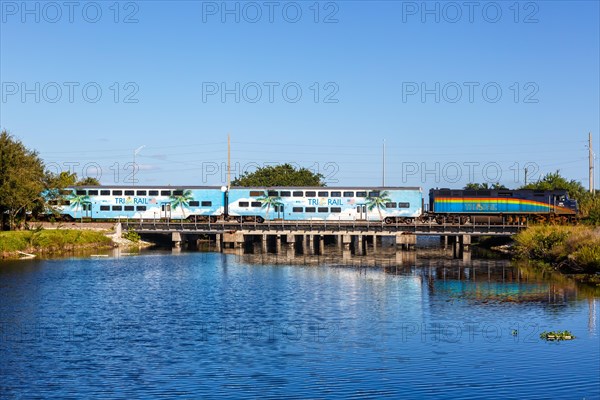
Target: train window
(336, 194)
(448, 193)
(141, 193)
(361, 194)
(194, 203)
(336, 209)
(130, 193)
(206, 203)
(466, 193)
(129, 208)
(117, 193)
(53, 202)
(141, 208)
(538, 193)
(92, 192)
(273, 193)
(80, 192)
(65, 192)
(323, 194)
(323, 209)
(348, 194)
(165, 192)
(244, 204)
(374, 193)
(403, 205)
(104, 208)
(256, 193)
(310, 209)
(177, 192)
(484, 193)
(285, 194)
(390, 205)
(256, 204)
(105, 193)
(297, 194)
(297, 209)
(505, 194)
(153, 193)
(311, 194)
(117, 208)
(66, 203)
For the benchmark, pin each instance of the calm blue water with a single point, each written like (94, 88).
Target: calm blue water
(208, 325)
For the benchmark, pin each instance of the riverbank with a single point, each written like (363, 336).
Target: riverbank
(567, 249)
(55, 240)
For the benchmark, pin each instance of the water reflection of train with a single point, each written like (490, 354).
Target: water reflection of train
(259, 204)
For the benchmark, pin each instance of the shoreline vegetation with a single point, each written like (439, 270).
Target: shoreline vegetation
(58, 241)
(570, 250)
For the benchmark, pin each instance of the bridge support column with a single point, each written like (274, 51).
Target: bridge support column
(374, 243)
(320, 244)
(278, 244)
(219, 242)
(176, 239)
(346, 241)
(290, 240)
(311, 244)
(265, 243)
(456, 248)
(444, 241)
(359, 246)
(406, 242)
(466, 243)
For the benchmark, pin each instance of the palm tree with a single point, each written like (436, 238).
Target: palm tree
(182, 200)
(78, 201)
(268, 201)
(378, 202)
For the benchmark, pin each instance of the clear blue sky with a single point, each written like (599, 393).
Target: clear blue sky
(370, 60)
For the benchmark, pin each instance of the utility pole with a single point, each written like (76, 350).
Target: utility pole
(228, 161)
(525, 175)
(591, 161)
(135, 152)
(383, 174)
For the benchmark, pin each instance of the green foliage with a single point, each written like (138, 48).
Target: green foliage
(89, 181)
(49, 239)
(554, 181)
(557, 335)
(484, 186)
(21, 180)
(131, 235)
(279, 175)
(576, 247)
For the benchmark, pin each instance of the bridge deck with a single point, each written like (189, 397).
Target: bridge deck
(322, 228)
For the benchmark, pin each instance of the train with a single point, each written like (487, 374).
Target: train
(259, 204)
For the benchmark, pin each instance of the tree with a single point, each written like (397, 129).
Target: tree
(78, 202)
(378, 202)
(484, 186)
(554, 181)
(268, 201)
(88, 181)
(279, 175)
(21, 180)
(182, 200)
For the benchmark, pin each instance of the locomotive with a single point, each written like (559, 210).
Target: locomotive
(374, 204)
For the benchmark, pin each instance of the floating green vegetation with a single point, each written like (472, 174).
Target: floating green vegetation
(557, 335)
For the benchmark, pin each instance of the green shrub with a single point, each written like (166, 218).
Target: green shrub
(131, 235)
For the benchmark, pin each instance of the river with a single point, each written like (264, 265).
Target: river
(206, 324)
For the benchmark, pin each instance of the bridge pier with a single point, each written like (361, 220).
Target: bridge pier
(359, 245)
(176, 239)
(219, 242)
(406, 242)
(346, 241)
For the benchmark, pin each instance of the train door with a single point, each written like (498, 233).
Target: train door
(165, 210)
(279, 209)
(361, 212)
(86, 210)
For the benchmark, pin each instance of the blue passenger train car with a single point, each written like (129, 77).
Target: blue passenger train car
(387, 204)
(143, 202)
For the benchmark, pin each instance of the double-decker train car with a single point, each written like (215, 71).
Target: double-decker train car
(502, 205)
(143, 202)
(390, 204)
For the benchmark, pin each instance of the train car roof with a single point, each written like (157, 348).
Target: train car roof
(139, 187)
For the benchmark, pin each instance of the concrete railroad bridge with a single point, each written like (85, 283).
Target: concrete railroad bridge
(312, 235)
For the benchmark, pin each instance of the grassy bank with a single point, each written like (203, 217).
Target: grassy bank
(569, 249)
(50, 241)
